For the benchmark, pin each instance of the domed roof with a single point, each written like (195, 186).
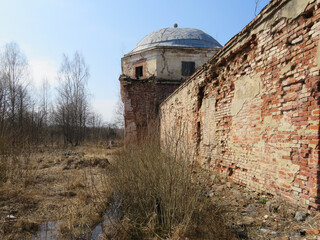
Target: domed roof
(180, 37)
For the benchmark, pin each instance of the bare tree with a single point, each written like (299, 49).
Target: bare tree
(40, 115)
(15, 101)
(3, 107)
(94, 127)
(44, 102)
(72, 103)
(256, 7)
(119, 113)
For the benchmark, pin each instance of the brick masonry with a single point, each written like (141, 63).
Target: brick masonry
(141, 104)
(252, 112)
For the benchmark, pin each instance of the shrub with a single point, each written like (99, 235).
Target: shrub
(159, 196)
(156, 190)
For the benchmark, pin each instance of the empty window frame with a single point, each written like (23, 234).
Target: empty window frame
(187, 68)
(139, 72)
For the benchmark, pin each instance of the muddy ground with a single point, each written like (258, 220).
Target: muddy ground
(67, 184)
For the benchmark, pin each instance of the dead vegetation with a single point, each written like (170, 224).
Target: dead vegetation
(161, 198)
(163, 195)
(43, 184)
(158, 195)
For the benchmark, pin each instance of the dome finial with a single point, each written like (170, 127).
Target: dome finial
(175, 25)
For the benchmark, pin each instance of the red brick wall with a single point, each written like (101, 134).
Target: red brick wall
(252, 112)
(141, 105)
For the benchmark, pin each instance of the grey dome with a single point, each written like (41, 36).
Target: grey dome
(180, 37)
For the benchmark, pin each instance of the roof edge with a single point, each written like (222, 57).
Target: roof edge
(267, 12)
(170, 47)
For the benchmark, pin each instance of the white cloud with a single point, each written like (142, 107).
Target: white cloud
(105, 107)
(43, 69)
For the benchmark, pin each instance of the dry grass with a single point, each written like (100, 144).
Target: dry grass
(160, 198)
(159, 195)
(53, 184)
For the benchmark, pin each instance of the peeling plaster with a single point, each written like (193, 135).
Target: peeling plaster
(286, 124)
(208, 119)
(165, 63)
(285, 69)
(268, 122)
(317, 59)
(289, 168)
(293, 9)
(245, 89)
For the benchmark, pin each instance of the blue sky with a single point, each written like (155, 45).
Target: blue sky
(104, 30)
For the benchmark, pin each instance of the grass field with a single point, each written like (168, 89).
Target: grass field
(50, 184)
(161, 196)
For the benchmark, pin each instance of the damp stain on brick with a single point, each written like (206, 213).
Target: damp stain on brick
(200, 96)
(198, 138)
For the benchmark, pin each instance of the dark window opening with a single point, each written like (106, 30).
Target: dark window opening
(139, 72)
(188, 68)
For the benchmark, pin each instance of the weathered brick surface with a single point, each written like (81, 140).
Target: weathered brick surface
(252, 112)
(141, 101)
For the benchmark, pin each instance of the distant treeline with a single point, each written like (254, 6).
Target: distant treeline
(29, 117)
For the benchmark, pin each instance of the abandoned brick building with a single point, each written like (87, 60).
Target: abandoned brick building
(157, 65)
(252, 111)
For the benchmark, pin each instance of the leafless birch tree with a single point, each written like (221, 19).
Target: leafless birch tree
(14, 98)
(72, 104)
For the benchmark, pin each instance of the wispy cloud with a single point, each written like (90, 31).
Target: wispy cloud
(43, 69)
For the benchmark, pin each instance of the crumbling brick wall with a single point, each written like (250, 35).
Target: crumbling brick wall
(141, 104)
(252, 112)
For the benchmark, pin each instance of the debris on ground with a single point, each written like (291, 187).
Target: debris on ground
(257, 216)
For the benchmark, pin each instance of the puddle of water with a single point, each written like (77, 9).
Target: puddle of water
(50, 230)
(109, 218)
